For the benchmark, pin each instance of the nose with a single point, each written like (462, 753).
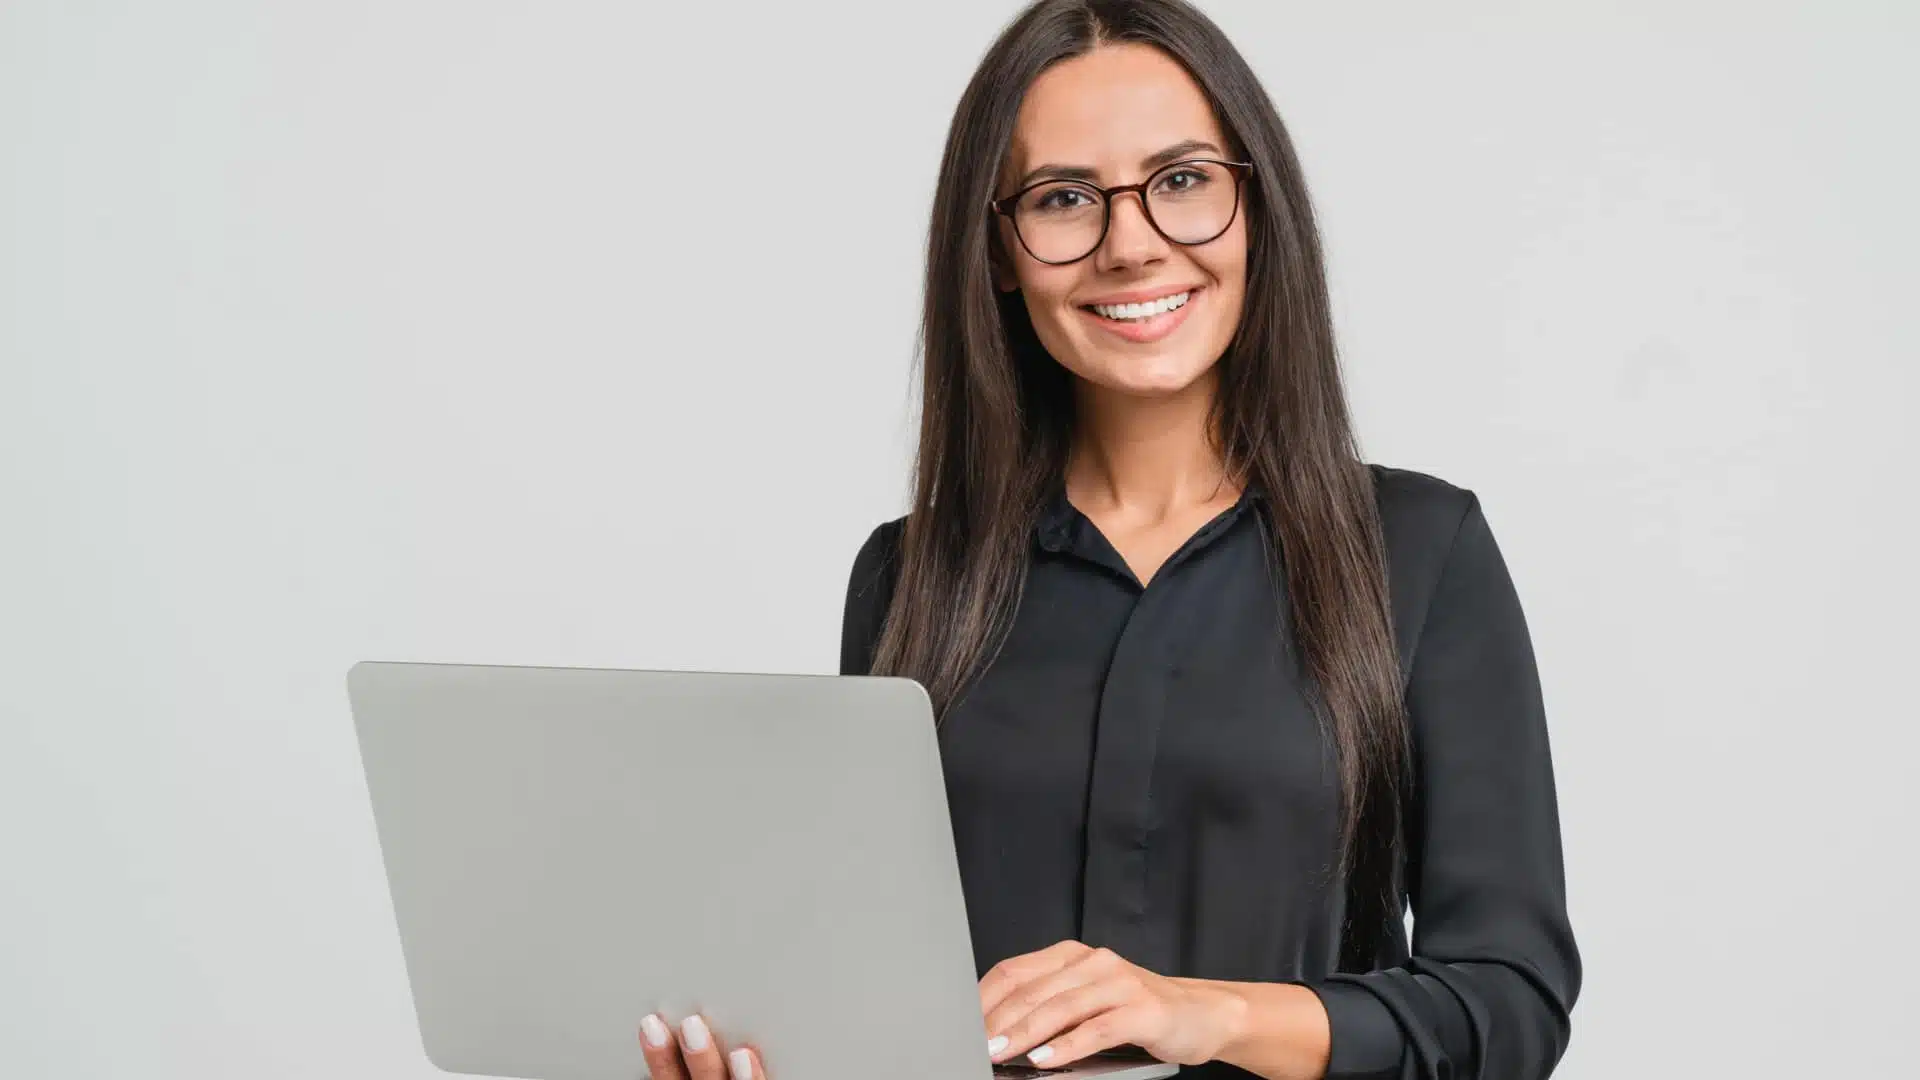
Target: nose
(1131, 238)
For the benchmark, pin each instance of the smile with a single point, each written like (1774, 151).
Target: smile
(1142, 321)
(1137, 312)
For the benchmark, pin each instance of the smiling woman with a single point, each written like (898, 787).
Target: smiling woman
(1105, 118)
(1219, 701)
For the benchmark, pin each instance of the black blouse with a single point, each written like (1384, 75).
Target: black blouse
(1139, 768)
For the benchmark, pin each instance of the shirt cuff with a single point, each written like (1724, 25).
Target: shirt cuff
(1366, 1041)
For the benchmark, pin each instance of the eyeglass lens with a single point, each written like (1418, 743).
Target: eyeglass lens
(1190, 202)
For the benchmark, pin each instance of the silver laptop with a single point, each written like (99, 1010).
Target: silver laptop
(570, 849)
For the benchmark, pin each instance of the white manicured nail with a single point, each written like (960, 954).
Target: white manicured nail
(1039, 1054)
(693, 1032)
(996, 1044)
(740, 1064)
(655, 1029)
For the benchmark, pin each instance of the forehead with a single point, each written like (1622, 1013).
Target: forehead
(1109, 109)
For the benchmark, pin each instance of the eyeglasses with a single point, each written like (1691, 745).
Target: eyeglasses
(1188, 202)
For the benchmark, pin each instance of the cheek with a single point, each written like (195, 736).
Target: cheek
(1056, 325)
(1228, 268)
(1228, 258)
(1046, 290)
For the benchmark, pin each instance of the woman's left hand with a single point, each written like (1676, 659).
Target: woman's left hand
(1070, 1000)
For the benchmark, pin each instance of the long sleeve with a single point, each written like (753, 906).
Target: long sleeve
(869, 592)
(1494, 971)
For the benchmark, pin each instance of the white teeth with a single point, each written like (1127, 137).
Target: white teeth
(1143, 311)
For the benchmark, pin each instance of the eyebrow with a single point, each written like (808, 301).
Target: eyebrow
(1171, 154)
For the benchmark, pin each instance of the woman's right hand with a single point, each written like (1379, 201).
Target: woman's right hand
(694, 1052)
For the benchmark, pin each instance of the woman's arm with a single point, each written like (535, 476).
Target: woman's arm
(1494, 972)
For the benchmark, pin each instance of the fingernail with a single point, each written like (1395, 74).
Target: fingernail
(693, 1032)
(740, 1064)
(996, 1044)
(1039, 1054)
(654, 1029)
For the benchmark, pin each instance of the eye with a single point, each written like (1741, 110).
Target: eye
(1061, 198)
(1185, 179)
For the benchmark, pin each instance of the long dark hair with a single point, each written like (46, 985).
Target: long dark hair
(996, 415)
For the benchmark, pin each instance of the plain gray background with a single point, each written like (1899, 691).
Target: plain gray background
(569, 333)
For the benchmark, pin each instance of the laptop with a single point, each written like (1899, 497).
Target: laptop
(570, 849)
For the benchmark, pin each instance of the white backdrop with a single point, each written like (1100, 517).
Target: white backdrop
(580, 333)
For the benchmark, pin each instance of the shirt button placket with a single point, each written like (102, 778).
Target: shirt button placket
(1114, 895)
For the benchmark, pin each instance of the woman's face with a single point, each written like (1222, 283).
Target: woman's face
(1111, 116)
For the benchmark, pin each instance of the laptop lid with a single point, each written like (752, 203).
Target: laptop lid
(570, 849)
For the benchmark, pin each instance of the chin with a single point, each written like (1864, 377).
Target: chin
(1146, 377)
(1144, 390)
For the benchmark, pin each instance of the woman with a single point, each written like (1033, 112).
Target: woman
(1218, 701)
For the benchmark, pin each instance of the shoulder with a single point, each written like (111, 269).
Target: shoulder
(1418, 510)
(878, 558)
(869, 594)
(1422, 521)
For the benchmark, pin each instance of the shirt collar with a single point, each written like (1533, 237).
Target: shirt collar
(1061, 526)
(1058, 518)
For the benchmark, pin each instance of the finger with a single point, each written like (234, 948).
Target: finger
(1128, 1024)
(661, 1052)
(700, 1050)
(1091, 966)
(743, 1063)
(1064, 1012)
(1010, 974)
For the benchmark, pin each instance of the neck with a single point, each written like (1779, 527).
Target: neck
(1147, 456)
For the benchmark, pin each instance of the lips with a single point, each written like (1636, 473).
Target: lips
(1143, 310)
(1144, 316)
